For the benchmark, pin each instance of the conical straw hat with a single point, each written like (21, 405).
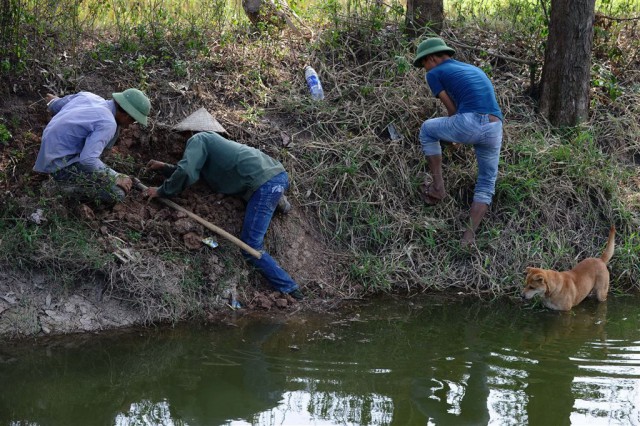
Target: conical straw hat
(200, 121)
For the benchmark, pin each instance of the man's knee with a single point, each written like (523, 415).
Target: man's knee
(430, 144)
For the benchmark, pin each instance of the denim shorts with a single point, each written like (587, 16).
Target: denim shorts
(470, 129)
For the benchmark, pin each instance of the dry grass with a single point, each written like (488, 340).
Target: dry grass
(557, 193)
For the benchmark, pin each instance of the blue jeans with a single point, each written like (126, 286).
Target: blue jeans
(257, 218)
(471, 129)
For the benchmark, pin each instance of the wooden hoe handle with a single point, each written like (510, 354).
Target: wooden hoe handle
(244, 246)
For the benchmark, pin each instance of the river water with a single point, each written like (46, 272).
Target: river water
(427, 361)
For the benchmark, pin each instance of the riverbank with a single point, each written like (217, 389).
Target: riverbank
(358, 226)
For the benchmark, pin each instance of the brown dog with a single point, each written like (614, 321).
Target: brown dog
(563, 290)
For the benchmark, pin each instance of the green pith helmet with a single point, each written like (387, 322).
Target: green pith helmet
(135, 103)
(430, 46)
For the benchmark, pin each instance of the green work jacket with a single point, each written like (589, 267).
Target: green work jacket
(228, 167)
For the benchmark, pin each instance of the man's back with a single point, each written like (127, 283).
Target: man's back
(228, 167)
(467, 85)
(77, 119)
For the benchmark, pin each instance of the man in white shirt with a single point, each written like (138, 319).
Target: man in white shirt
(82, 127)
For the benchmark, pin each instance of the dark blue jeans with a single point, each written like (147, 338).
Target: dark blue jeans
(257, 218)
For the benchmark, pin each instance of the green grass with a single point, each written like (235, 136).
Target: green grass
(5, 135)
(57, 245)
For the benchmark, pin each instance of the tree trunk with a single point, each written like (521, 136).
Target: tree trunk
(254, 9)
(272, 12)
(564, 98)
(423, 14)
(9, 30)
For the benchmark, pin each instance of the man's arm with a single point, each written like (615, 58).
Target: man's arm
(165, 168)
(187, 171)
(55, 104)
(448, 103)
(94, 144)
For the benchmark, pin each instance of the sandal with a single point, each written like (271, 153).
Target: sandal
(429, 198)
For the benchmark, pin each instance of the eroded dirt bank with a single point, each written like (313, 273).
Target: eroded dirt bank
(153, 265)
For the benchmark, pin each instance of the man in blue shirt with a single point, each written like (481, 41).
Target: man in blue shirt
(82, 127)
(474, 119)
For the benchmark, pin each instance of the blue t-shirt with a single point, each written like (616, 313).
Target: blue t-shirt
(467, 86)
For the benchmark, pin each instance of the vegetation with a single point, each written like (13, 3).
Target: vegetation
(558, 189)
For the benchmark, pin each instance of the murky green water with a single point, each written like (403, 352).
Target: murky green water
(431, 361)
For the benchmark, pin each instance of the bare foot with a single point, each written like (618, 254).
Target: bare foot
(468, 238)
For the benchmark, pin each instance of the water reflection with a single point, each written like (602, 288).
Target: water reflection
(218, 383)
(455, 392)
(147, 413)
(434, 362)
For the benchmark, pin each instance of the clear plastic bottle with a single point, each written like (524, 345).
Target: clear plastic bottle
(313, 81)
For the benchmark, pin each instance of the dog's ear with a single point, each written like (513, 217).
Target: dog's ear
(539, 277)
(530, 270)
(535, 277)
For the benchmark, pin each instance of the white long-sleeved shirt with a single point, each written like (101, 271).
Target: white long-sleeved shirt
(82, 126)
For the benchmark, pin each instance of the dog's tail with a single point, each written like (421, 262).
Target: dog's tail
(608, 251)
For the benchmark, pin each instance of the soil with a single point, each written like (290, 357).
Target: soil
(139, 234)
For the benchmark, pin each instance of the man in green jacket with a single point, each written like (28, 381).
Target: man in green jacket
(232, 168)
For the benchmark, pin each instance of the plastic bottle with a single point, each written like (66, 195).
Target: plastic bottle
(313, 81)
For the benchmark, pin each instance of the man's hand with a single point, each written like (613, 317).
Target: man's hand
(50, 98)
(150, 193)
(155, 165)
(124, 182)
